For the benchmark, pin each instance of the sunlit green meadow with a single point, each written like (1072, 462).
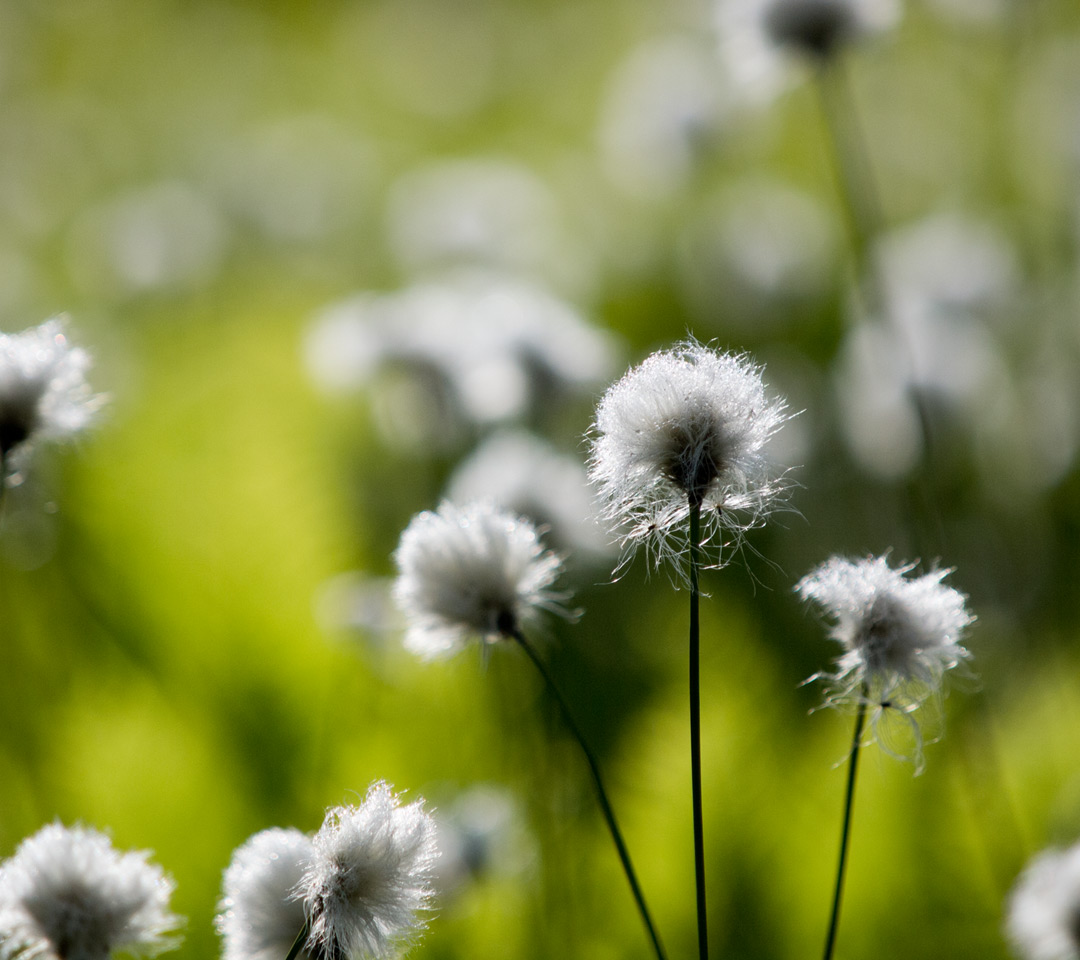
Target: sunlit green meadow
(194, 182)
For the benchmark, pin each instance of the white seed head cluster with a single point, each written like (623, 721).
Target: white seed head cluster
(900, 634)
(690, 423)
(1043, 913)
(67, 894)
(259, 918)
(519, 472)
(756, 36)
(371, 877)
(43, 388)
(472, 571)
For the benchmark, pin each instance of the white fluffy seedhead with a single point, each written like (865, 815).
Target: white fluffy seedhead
(757, 36)
(371, 877)
(259, 917)
(473, 571)
(43, 388)
(900, 635)
(67, 894)
(690, 423)
(1043, 913)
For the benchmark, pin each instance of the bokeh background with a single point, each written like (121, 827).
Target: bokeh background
(336, 260)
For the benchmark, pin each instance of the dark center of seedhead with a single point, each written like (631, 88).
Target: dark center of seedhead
(12, 433)
(885, 639)
(815, 26)
(506, 624)
(18, 413)
(697, 454)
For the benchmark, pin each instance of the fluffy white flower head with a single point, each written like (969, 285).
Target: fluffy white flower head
(371, 876)
(688, 424)
(756, 35)
(900, 635)
(259, 918)
(67, 894)
(472, 571)
(1043, 914)
(43, 389)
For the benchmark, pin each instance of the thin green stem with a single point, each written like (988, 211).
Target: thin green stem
(695, 725)
(298, 943)
(601, 792)
(845, 834)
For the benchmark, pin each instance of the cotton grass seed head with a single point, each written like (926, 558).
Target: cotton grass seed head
(67, 894)
(472, 571)
(1042, 919)
(43, 389)
(900, 634)
(259, 918)
(370, 878)
(690, 424)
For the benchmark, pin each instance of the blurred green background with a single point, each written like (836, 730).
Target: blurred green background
(193, 640)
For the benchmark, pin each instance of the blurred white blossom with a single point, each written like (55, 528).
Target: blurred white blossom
(947, 281)
(482, 347)
(68, 894)
(899, 634)
(689, 423)
(259, 917)
(43, 391)
(370, 879)
(664, 107)
(525, 475)
(483, 834)
(1042, 911)
(753, 251)
(757, 37)
(472, 571)
(167, 236)
(482, 211)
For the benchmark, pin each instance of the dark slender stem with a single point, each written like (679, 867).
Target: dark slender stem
(865, 214)
(695, 725)
(298, 943)
(845, 834)
(601, 792)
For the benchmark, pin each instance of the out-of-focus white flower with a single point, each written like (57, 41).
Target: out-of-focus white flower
(359, 601)
(688, 424)
(900, 635)
(519, 472)
(481, 211)
(756, 36)
(945, 280)
(43, 390)
(1042, 911)
(753, 251)
(370, 878)
(259, 917)
(472, 571)
(486, 348)
(67, 894)
(483, 834)
(165, 237)
(664, 108)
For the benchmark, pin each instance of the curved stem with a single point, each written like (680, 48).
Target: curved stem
(845, 834)
(695, 725)
(601, 792)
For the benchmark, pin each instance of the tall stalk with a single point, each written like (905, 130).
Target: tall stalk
(601, 792)
(298, 943)
(865, 216)
(845, 833)
(695, 724)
